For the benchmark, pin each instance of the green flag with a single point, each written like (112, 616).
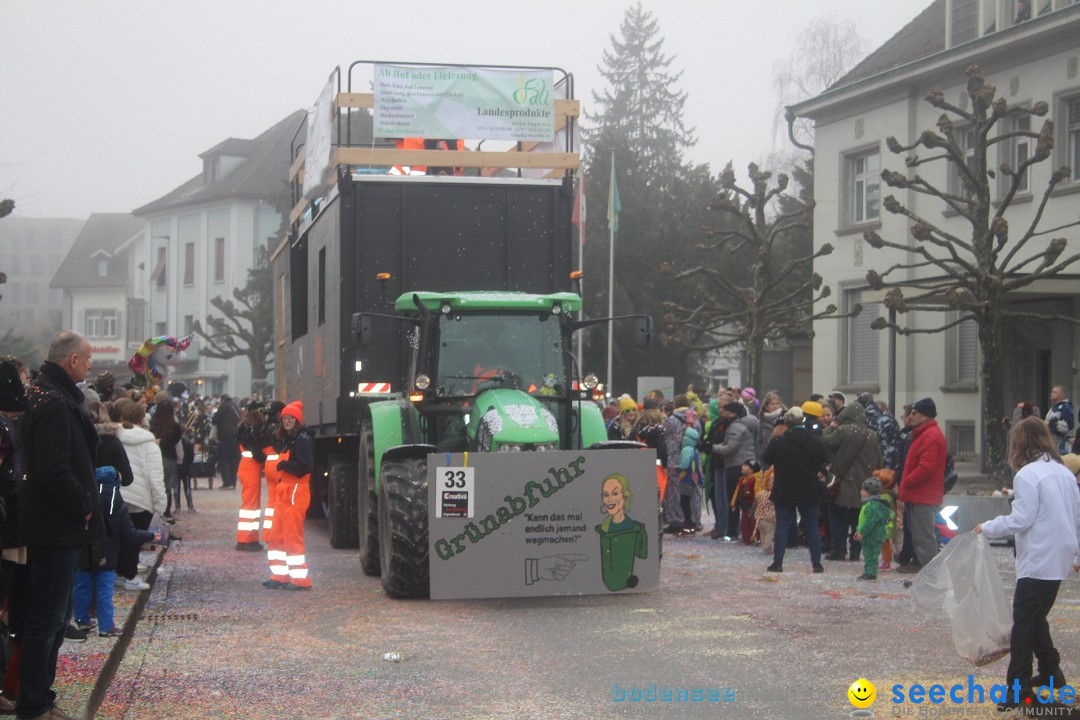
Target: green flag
(614, 207)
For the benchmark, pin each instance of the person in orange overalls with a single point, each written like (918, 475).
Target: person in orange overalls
(285, 549)
(272, 448)
(409, 143)
(256, 443)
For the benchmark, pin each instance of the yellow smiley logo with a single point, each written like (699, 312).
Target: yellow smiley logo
(862, 693)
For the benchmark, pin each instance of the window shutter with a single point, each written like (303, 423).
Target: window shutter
(1074, 112)
(863, 344)
(966, 346)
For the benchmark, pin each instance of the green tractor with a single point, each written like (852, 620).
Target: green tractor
(489, 372)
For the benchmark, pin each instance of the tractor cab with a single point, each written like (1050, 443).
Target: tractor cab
(491, 371)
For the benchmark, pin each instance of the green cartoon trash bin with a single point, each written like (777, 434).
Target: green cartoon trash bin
(621, 537)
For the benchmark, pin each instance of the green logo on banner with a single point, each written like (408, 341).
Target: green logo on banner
(533, 91)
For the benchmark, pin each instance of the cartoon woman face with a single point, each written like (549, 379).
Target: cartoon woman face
(613, 499)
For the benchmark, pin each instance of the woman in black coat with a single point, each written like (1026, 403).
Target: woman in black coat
(797, 457)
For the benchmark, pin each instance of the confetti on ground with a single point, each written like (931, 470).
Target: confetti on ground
(213, 643)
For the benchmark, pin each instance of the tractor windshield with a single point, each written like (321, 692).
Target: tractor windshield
(481, 351)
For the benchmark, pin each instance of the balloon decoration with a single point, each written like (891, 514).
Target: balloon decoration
(150, 363)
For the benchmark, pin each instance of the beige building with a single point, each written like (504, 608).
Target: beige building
(1030, 56)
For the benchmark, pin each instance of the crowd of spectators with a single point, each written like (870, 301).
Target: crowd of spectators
(89, 474)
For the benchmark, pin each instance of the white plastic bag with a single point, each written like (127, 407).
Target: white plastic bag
(157, 525)
(964, 581)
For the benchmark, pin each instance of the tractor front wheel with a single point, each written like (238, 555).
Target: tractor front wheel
(403, 527)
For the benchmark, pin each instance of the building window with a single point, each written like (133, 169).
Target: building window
(958, 183)
(961, 344)
(158, 276)
(860, 341)
(189, 323)
(103, 323)
(1019, 150)
(219, 259)
(189, 263)
(969, 19)
(961, 439)
(136, 320)
(1072, 136)
(964, 20)
(211, 169)
(102, 267)
(862, 187)
(159, 329)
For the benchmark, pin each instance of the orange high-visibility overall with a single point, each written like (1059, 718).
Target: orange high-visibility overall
(273, 476)
(285, 549)
(250, 474)
(409, 143)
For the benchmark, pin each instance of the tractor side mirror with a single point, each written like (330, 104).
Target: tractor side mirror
(361, 330)
(644, 332)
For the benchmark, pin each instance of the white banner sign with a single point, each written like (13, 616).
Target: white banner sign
(464, 102)
(319, 140)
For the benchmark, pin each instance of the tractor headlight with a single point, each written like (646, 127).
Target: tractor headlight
(590, 381)
(526, 447)
(422, 382)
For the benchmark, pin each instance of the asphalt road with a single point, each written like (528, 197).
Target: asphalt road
(213, 643)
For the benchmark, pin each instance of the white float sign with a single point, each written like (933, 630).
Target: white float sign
(543, 523)
(464, 102)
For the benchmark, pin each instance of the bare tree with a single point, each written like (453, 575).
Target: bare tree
(977, 272)
(773, 293)
(825, 51)
(245, 326)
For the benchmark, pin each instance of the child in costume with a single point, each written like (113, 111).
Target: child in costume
(743, 498)
(765, 512)
(874, 518)
(894, 531)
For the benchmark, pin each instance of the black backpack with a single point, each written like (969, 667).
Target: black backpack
(950, 472)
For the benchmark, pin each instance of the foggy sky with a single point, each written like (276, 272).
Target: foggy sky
(105, 105)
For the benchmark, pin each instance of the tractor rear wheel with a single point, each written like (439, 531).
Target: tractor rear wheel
(368, 503)
(342, 500)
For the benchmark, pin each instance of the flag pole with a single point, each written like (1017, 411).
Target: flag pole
(612, 220)
(579, 340)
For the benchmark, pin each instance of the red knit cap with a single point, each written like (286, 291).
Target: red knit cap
(295, 410)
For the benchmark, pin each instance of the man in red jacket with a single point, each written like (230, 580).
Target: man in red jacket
(922, 486)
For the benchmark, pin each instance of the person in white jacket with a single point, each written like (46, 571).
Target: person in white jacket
(146, 494)
(1045, 521)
